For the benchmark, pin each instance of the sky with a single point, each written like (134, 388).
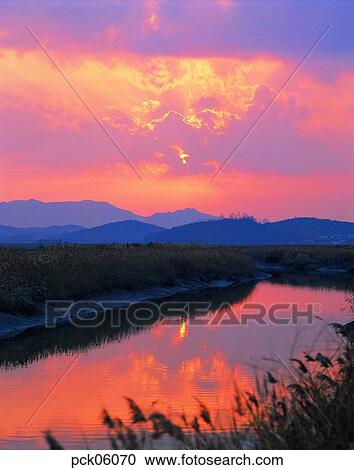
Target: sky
(140, 103)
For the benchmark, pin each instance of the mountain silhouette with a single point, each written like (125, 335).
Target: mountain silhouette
(247, 231)
(176, 218)
(127, 231)
(16, 234)
(34, 213)
(101, 222)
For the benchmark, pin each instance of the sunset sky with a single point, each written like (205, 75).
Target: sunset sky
(178, 84)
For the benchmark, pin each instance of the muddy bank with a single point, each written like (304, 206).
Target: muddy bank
(12, 324)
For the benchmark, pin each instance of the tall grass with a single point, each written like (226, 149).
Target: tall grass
(59, 272)
(303, 257)
(28, 276)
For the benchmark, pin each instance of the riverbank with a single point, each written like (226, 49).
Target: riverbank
(13, 324)
(31, 276)
(131, 273)
(302, 258)
(155, 363)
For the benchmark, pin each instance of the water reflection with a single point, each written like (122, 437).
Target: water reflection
(37, 344)
(166, 364)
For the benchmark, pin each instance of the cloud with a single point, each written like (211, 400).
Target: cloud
(221, 28)
(155, 27)
(203, 105)
(159, 81)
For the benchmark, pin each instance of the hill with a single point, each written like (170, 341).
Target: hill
(176, 218)
(20, 234)
(127, 231)
(247, 231)
(34, 213)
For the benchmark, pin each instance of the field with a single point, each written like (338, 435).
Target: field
(29, 276)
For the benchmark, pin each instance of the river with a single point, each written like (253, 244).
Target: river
(62, 379)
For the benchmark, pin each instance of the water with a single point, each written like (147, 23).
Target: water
(61, 380)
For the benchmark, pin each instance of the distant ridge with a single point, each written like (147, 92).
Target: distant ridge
(87, 213)
(127, 231)
(176, 218)
(247, 231)
(34, 213)
(20, 234)
(100, 222)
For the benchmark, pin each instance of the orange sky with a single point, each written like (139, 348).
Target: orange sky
(169, 93)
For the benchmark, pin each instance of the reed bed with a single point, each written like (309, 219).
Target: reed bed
(29, 276)
(294, 258)
(32, 275)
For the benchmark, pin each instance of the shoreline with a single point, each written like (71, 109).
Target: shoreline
(119, 275)
(13, 324)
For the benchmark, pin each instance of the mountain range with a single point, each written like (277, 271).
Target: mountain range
(34, 213)
(243, 231)
(248, 231)
(127, 231)
(74, 220)
(20, 234)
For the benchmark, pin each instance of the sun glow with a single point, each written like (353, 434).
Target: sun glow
(182, 154)
(182, 329)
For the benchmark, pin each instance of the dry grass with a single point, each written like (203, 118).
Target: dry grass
(29, 276)
(302, 257)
